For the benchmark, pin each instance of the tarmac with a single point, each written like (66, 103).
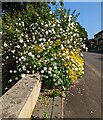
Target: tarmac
(84, 101)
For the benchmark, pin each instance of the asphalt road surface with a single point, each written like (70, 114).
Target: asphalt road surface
(84, 101)
(94, 61)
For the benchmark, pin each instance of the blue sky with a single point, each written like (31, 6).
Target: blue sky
(90, 15)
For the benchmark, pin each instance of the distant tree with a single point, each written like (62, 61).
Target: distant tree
(83, 32)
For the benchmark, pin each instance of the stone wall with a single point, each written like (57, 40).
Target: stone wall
(20, 100)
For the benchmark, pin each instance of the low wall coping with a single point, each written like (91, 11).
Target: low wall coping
(20, 100)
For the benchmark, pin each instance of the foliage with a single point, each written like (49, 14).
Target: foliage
(45, 116)
(39, 41)
(0, 24)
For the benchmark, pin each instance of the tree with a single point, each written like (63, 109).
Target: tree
(41, 41)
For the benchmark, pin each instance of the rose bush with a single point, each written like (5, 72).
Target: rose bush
(37, 40)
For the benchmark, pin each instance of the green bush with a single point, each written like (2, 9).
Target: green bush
(35, 39)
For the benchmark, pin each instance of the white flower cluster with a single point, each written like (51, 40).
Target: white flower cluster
(44, 45)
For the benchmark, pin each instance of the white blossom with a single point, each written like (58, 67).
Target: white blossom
(46, 76)
(15, 71)
(17, 61)
(16, 78)
(82, 72)
(68, 41)
(5, 45)
(13, 51)
(65, 16)
(33, 72)
(34, 66)
(61, 29)
(54, 75)
(22, 23)
(10, 71)
(82, 68)
(28, 71)
(74, 42)
(10, 80)
(7, 57)
(42, 71)
(46, 25)
(23, 75)
(38, 56)
(49, 47)
(62, 47)
(26, 36)
(28, 41)
(52, 29)
(6, 88)
(54, 80)
(21, 40)
(67, 57)
(76, 69)
(67, 71)
(70, 46)
(45, 60)
(51, 59)
(40, 39)
(68, 67)
(49, 72)
(50, 68)
(19, 70)
(55, 67)
(44, 39)
(50, 12)
(41, 23)
(45, 68)
(24, 67)
(81, 54)
(30, 54)
(17, 30)
(84, 46)
(46, 32)
(53, 25)
(63, 54)
(18, 46)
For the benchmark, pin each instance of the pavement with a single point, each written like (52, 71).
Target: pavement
(47, 107)
(84, 101)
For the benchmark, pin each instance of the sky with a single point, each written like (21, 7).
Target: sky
(90, 15)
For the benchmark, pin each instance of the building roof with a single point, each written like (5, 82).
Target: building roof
(99, 32)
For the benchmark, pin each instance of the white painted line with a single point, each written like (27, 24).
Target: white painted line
(99, 74)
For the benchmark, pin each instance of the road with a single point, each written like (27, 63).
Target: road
(94, 61)
(84, 101)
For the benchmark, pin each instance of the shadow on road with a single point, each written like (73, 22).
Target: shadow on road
(101, 52)
(101, 59)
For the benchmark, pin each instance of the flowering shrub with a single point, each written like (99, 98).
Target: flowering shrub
(39, 41)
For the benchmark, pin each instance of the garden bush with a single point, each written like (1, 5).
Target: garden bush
(37, 40)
